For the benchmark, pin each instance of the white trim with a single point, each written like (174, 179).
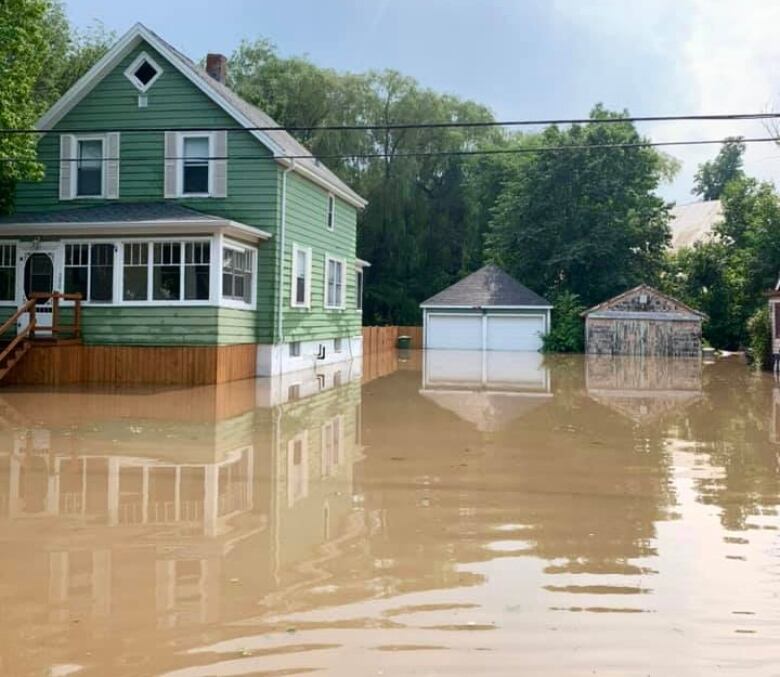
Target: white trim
(342, 261)
(230, 302)
(360, 263)
(239, 231)
(330, 223)
(296, 248)
(133, 67)
(484, 315)
(74, 174)
(180, 138)
(130, 41)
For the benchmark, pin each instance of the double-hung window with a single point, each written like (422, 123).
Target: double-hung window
(331, 218)
(166, 271)
(334, 283)
(7, 272)
(89, 168)
(359, 290)
(237, 274)
(301, 277)
(196, 151)
(89, 271)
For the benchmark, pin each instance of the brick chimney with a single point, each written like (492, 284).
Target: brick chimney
(216, 67)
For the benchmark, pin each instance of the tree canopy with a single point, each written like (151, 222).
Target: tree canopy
(713, 176)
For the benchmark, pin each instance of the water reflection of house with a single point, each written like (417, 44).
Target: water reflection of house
(643, 388)
(774, 435)
(486, 388)
(175, 491)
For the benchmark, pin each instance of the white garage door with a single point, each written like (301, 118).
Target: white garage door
(454, 332)
(514, 332)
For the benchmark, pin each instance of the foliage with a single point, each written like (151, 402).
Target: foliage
(567, 333)
(760, 330)
(419, 230)
(713, 176)
(22, 57)
(585, 220)
(40, 58)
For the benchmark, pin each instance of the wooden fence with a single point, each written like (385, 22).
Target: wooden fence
(381, 339)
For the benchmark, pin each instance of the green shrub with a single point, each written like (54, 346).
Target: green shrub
(760, 332)
(567, 333)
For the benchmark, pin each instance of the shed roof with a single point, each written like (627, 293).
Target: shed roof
(488, 286)
(680, 308)
(117, 211)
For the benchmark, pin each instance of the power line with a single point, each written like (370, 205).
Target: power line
(414, 154)
(423, 125)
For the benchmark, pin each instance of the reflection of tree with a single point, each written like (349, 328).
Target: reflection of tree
(732, 426)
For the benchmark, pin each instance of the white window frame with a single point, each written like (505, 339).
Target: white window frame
(88, 243)
(333, 431)
(340, 305)
(238, 303)
(74, 173)
(360, 287)
(294, 303)
(330, 213)
(14, 301)
(180, 137)
(133, 67)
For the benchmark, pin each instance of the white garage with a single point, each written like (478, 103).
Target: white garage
(488, 310)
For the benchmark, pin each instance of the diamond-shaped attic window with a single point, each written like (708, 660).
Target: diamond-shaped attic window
(143, 72)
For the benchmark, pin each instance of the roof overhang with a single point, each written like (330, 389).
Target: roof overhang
(129, 41)
(157, 228)
(647, 316)
(425, 306)
(360, 263)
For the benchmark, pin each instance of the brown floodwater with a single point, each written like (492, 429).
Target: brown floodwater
(440, 514)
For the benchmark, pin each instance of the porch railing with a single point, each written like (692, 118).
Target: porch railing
(57, 328)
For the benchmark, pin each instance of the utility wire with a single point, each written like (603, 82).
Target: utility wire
(413, 154)
(422, 125)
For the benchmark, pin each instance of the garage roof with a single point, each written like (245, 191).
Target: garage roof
(488, 287)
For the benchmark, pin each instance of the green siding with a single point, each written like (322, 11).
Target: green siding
(254, 198)
(306, 226)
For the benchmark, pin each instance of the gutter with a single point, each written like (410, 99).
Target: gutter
(282, 242)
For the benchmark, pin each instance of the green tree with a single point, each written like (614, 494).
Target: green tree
(567, 331)
(586, 220)
(23, 52)
(713, 176)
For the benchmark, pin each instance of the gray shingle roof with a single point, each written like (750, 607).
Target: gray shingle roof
(489, 286)
(127, 212)
(288, 144)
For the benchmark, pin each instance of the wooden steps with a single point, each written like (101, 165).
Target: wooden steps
(13, 357)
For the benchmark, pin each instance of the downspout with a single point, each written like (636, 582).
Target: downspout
(282, 234)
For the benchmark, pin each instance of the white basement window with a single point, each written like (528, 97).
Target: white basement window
(7, 272)
(334, 283)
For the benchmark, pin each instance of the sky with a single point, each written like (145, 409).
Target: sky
(535, 59)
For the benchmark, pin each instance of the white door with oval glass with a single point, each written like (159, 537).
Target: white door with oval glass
(39, 270)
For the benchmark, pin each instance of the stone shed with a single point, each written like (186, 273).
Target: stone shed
(643, 321)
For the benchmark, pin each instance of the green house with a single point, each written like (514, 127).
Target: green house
(183, 218)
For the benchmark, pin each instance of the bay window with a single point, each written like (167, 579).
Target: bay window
(334, 283)
(237, 274)
(135, 272)
(89, 271)
(197, 259)
(166, 271)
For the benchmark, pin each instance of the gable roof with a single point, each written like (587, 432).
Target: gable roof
(285, 148)
(606, 305)
(489, 286)
(693, 222)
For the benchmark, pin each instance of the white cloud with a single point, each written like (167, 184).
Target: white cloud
(726, 58)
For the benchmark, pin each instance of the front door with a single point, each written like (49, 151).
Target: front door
(38, 269)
